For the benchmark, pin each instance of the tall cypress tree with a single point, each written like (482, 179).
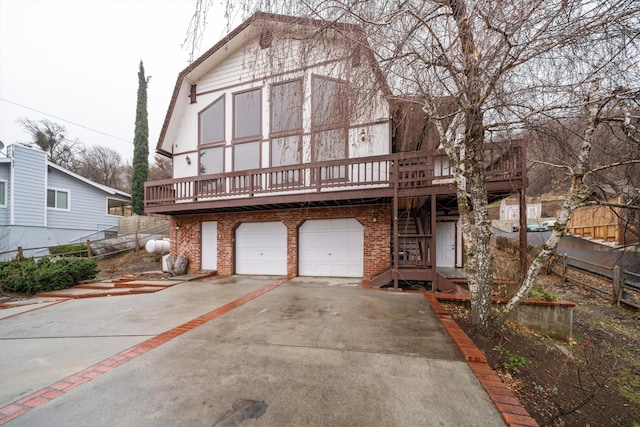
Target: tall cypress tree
(140, 146)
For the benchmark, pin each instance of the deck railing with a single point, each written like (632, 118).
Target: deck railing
(410, 170)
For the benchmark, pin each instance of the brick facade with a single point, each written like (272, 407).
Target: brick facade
(185, 234)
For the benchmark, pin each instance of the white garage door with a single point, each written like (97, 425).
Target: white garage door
(331, 247)
(261, 248)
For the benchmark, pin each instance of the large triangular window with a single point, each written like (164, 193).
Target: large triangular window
(211, 123)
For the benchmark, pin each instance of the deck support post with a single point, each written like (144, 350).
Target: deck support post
(396, 249)
(433, 245)
(523, 229)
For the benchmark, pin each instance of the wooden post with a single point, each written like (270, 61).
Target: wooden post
(89, 254)
(20, 253)
(137, 242)
(434, 244)
(522, 235)
(618, 284)
(564, 268)
(396, 243)
(523, 213)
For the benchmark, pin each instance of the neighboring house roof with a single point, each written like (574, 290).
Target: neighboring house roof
(513, 201)
(88, 181)
(198, 68)
(101, 187)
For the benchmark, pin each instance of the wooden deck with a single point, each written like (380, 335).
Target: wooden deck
(348, 181)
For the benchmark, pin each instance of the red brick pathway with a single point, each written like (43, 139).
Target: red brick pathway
(513, 413)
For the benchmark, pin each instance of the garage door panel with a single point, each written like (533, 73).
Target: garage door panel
(261, 248)
(332, 247)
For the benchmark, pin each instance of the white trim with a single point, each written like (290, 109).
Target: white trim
(12, 174)
(3, 203)
(85, 180)
(58, 190)
(46, 192)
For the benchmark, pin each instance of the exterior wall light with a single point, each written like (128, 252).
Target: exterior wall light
(188, 160)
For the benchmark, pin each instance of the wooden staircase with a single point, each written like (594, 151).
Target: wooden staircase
(410, 250)
(413, 253)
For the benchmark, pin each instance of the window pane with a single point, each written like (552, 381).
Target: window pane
(286, 106)
(62, 200)
(212, 122)
(212, 161)
(285, 151)
(51, 198)
(118, 207)
(3, 200)
(246, 156)
(246, 114)
(328, 101)
(329, 145)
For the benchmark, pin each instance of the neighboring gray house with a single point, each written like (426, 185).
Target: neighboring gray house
(43, 204)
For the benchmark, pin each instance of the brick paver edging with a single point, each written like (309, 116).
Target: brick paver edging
(40, 305)
(513, 413)
(46, 394)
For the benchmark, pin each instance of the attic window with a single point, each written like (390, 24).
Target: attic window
(266, 39)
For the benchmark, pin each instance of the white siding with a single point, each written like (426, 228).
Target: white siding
(236, 69)
(229, 72)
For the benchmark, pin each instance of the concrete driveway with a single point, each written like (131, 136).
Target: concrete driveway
(238, 351)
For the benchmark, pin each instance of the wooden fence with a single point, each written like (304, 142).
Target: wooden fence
(624, 285)
(96, 248)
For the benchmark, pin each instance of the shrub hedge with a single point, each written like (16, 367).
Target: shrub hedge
(45, 274)
(69, 250)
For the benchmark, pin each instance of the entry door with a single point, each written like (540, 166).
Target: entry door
(446, 244)
(209, 246)
(261, 248)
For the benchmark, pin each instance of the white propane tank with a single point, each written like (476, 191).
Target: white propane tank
(158, 246)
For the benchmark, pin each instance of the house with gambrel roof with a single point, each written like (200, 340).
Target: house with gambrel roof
(291, 158)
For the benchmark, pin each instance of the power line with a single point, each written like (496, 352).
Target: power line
(66, 121)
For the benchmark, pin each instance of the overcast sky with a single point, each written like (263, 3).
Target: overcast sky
(76, 63)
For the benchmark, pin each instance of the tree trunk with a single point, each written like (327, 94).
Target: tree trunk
(568, 205)
(482, 288)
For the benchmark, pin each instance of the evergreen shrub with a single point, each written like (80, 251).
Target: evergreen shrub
(45, 274)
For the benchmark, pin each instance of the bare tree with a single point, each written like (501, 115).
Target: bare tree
(586, 173)
(52, 139)
(102, 165)
(494, 64)
(162, 168)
